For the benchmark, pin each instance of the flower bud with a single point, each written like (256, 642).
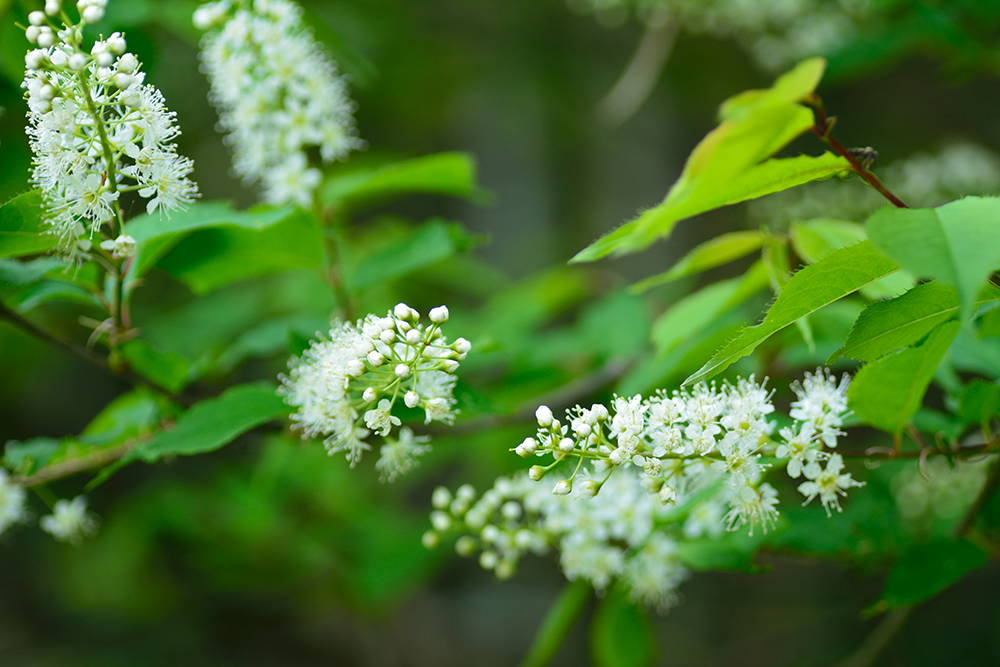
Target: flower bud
(116, 43)
(430, 540)
(466, 492)
(527, 447)
(566, 445)
(544, 416)
(441, 498)
(667, 495)
(92, 14)
(31, 33)
(388, 336)
(466, 545)
(462, 346)
(563, 487)
(375, 358)
(355, 368)
(439, 315)
(128, 63)
(449, 365)
(505, 569)
(370, 395)
(402, 370)
(413, 336)
(401, 311)
(536, 473)
(511, 510)
(35, 59)
(440, 520)
(53, 7)
(616, 457)
(488, 560)
(46, 37)
(590, 488)
(77, 62)
(411, 399)
(104, 59)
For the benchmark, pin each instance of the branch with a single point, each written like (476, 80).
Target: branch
(73, 466)
(969, 519)
(87, 354)
(824, 129)
(636, 83)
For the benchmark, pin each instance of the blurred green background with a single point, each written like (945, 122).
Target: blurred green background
(268, 552)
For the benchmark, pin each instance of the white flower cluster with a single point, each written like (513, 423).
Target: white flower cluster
(11, 502)
(97, 131)
(774, 33)
(70, 521)
(703, 450)
(614, 536)
(277, 94)
(346, 387)
(921, 180)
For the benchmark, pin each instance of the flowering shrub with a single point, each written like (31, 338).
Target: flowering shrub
(834, 394)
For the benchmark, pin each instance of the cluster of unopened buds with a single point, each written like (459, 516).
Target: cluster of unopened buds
(97, 131)
(648, 474)
(356, 382)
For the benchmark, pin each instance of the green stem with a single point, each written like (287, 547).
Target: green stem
(559, 620)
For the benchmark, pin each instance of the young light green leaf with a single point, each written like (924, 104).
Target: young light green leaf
(215, 422)
(887, 326)
(927, 569)
(731, 163)
(431, 242)
(716, 252)
(620, 634)
(689, 316)
(837, 275)
(815, 239)
(451, 174)
(779, 272)
(559, 620)
(957, 244)
(888, 392)
(21, 229)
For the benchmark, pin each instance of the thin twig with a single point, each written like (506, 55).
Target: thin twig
(639, 78)
(87, 354)
(969, 519)
(882, 453)
(878, 639)
(97, 459)
(824, 129)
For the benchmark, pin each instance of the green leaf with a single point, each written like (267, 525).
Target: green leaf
(716, 252)
(927, 569)
(21, 229)
(957, 244)
(451, 174)
(211, 258)
(888, 392)
(215, 422)
(14, 272)
(32, 295)
(620, 634)
(834, 277)
(165, 369)
(155, 236)
(732, 551)
(559, 620)
(979, 403)
(692, 314)
(731, 163)
(887, 326)
(815, 239)
(429, 243)
(27, 458)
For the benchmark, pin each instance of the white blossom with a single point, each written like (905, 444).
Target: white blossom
(70, 521)
(399, 456)
(278, 95)
(827, 483)
(11, 502)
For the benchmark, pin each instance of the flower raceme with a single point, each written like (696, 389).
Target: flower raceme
(277, 94)
(346, 388)
(648, 474)
(97, 131)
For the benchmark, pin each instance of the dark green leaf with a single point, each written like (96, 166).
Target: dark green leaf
(451, 174)
(927, 569)
(716, 252)
(888, 392)
(215, 422)
(980, 402)
(165, 369)
(21, 229)
(834, 277)
(620, 634)
(561, 617)
(211, 258)
(429, 243)
(957, 244)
